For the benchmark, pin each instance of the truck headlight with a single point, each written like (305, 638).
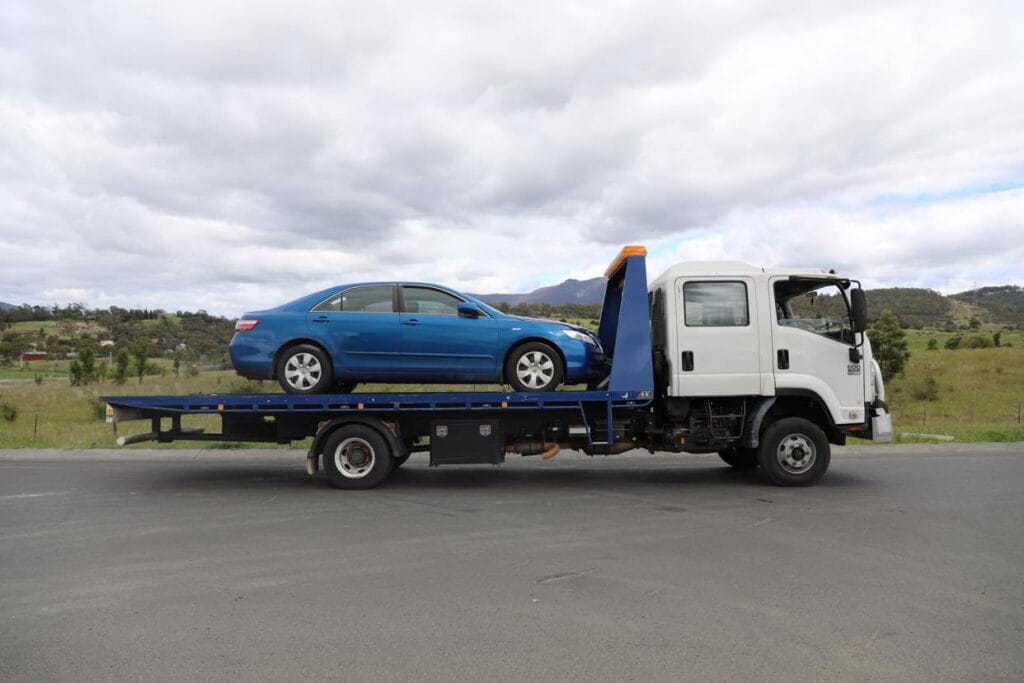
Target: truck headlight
(580, 336)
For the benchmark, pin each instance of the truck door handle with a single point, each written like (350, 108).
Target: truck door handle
(321, 319)
(687, 361)
(412, 322)
(783, 359)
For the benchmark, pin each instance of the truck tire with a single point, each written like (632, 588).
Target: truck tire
(739, 457)
(534, 366)
(304, 369)
(357, 457)
(794, 452)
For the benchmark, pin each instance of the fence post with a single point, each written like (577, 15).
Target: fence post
(1018, 411)
(925, 412)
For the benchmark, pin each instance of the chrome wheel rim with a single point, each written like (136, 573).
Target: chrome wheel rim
(535, 369)
(354, 458)
(302, 371)
(796, 453)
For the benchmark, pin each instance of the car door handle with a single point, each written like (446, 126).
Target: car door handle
(321, 319)
(687, 361)
(783, 359)
(412, 322)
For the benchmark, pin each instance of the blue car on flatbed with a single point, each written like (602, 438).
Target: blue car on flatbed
(329, 341)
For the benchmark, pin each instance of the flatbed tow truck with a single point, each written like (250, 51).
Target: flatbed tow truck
(737, 407)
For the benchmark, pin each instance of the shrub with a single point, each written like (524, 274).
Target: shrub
(192, 370)
(38, 378)
(996, 337)
(954, 342)
(977, 341)
(928, 391)
(8, 412)
(99, 409)
(933, 345)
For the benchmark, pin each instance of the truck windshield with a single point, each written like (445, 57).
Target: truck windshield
(815, 306)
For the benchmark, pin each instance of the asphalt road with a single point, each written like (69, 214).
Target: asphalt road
(904, 563)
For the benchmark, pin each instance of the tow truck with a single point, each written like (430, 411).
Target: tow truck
(711, 357)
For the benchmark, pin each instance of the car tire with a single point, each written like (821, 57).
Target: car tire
(304, 369)
(794, 452)
(356, 456)
(533, 367)
(739, 457)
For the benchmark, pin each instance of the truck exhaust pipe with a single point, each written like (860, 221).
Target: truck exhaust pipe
(544, 449)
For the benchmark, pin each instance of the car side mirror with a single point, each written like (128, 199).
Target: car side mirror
(859, 310)
(468, 310)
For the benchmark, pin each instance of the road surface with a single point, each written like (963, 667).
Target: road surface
(904, 563)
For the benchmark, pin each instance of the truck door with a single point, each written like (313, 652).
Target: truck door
(716, 351)
(812, 337)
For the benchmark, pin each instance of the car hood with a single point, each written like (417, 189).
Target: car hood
(559, 323)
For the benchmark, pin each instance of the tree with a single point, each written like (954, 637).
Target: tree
(889, 344)
(933, 345)
(177, 364)
(121, 362)
(140, 354)
(82, 370)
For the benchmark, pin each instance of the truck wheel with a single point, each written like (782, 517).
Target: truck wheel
(794, 452)
(739, 457)
(534, 367)
(356, 457)
(304, 369)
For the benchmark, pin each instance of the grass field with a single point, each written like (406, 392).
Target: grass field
(976, 392)
(974, 396)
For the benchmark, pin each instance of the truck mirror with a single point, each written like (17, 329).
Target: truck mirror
(859, 309)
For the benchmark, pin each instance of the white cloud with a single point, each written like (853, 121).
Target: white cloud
(227, 156)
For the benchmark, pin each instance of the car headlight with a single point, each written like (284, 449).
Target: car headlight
(580, 336)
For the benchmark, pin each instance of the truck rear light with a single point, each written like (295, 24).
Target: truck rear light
(246, 325)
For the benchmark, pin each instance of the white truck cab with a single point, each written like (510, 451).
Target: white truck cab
(731, 339)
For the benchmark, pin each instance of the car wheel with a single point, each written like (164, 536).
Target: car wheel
(739, 457)
(534, 367)
(304, 369)
(357, 457)
(794, 452)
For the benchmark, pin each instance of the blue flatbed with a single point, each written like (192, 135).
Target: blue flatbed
(522, 422)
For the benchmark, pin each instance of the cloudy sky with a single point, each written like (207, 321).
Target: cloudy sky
(231, 155)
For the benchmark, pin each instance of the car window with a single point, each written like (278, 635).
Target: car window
(716, 304)
(429, 301)
(362, 299)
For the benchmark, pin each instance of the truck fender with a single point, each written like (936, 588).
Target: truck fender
(313, 456)
(751, 438)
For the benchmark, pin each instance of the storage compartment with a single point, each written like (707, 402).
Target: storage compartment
(466, 442)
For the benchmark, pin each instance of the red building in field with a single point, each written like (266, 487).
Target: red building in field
(34, 355)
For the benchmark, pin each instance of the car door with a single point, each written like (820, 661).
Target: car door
(361, 327)
(716, 338)
(812, 338)
(439, 345)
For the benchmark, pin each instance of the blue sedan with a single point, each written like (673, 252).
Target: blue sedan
(408, 332)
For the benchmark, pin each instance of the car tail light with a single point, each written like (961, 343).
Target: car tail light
(246, 325)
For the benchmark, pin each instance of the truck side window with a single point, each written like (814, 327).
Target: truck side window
(715, 304)
(818, 307)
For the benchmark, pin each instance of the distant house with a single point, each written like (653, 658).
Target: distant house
(34, 355)
(104, 343)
